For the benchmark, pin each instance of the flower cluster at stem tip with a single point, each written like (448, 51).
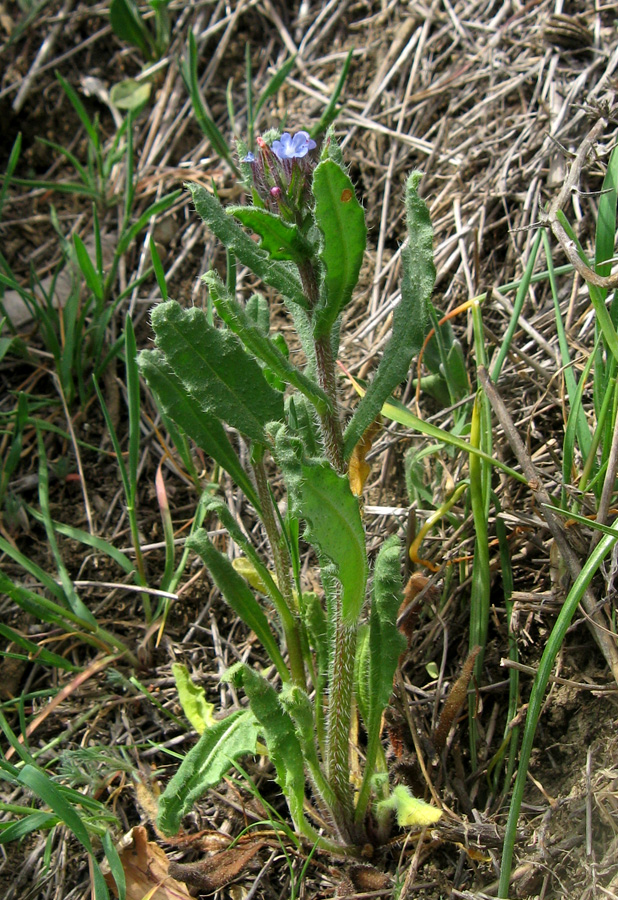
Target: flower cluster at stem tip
(281, 174)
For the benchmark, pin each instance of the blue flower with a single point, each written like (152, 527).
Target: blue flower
(249, 158)
(293, 147)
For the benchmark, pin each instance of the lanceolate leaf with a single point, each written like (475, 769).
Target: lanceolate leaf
(263, 347)
(278, 239)
(341, 220)
(278, 729)
(386, 642)
(239, 596)
(205, 765)
(206, 430)
(215, 370)
(277, 274)
(326, 503)
(409, 319)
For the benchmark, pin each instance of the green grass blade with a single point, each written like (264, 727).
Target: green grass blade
(158, 269)
(10, 168)
(331, 112)
(522, 291)
(552, 648)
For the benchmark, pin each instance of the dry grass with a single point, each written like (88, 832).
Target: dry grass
(490, 100)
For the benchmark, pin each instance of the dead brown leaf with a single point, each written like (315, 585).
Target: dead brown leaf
(146, 869)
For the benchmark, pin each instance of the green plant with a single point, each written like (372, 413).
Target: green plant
(74, 327)
(329, 656)
(129, 25)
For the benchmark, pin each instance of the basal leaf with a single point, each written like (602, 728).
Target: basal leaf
(341, 221)
(193, 699)
(215, 370)
(277, 274)
(205, 765)
(409, 318)
(386, 642)
(277, 238)
(206, 430)
(279, 733)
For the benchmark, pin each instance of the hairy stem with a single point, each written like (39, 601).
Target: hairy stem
(330, 421)
(282, 571)
(338, 728)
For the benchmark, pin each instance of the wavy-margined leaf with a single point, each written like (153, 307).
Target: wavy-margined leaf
(379, 655)
(206, 430)
(193, 699)
(277, 238)
(205, 765)
(238, 595)
(215, 370)
(341, 220)
(409, 318)
(279, 733)
(262, 346)
(277, 274)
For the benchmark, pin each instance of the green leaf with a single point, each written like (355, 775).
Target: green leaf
(277, 274)
(380, 656)
(57, 798)
(334, 527)
(205, 765)
(238, 595)
(386, 642)
(264, 581)
(85, 263)
(409, 319)
(278, 239)
(332, 111)
(261, 346)
(274, 84)
(127, 23)
(193, 700)
(130, 94)
(206, 430)
(215, 370)
(188, 70)
(341, 221)
(279, 733)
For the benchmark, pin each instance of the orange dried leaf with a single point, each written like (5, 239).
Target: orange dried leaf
(358, 468)
(146, 870)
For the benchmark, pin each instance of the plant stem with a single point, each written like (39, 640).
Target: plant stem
(330, 421)
(338, 727)
(282, 571)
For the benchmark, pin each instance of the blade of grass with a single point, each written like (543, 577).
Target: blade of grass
(552, 648)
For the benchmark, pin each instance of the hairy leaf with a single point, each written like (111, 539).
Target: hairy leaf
(277, 274)
(260, 345)
(341, 221)
(279, 733)
(193, 699)
(326, 503)
(215, 370)
(205, 429)
(278, 239)
(205, 765)
(409, 319)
